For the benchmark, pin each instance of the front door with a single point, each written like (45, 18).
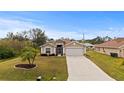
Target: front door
(59, 50)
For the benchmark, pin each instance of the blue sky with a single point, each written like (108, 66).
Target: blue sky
(65, 24)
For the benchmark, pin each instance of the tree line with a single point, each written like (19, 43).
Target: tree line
(14, 43)
(98, 40)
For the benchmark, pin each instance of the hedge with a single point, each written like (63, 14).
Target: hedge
(6, 52)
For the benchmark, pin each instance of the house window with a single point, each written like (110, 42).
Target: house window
(103, 49)
(47, 50)
(114, 54)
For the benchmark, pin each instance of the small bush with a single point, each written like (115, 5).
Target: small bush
(43, 54)
(122, 63)
(47, 55)
(52, 54)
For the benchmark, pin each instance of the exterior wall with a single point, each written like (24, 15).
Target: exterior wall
(43, 49)
(63, 50)
(107, 51)
(122, 51)
(54, 50)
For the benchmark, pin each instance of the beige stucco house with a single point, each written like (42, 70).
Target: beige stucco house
(63, 47)
(114, 47)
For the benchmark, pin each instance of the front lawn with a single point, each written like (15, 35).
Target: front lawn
(114, 67)
(47, 67)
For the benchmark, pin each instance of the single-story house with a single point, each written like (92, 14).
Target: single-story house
(63, 47)
(113, 47)
(88, 45)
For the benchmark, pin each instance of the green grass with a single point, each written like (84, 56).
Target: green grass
(46, 67)
(114, 67)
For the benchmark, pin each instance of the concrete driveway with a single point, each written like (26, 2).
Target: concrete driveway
(81, 68)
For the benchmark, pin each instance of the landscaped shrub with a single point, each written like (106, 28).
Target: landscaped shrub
(29, 54)
(52, 54)
(122, 63)
(47, 55)
(6, 52)
(43, 54)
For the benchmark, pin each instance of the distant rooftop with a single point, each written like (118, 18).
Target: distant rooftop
(88, 44)
(115, 43)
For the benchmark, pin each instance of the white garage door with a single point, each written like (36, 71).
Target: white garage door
(74, 51)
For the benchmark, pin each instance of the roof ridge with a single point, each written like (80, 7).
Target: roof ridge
(112, 43)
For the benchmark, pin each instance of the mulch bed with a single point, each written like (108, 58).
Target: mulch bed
(26, 66)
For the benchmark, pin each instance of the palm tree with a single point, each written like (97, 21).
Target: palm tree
(29, 54)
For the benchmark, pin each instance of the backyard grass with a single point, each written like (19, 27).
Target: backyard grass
(114, 67)
(47, 67)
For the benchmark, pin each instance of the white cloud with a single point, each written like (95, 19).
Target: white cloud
(11, 25)
(113, 32)
(67, 34)
(17, 25)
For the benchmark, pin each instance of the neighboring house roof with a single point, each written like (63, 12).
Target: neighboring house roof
(115, 43)
(88, 44)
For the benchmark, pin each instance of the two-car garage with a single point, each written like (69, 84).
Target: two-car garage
(74, 49)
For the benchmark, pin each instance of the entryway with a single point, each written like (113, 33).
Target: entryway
(59, 50)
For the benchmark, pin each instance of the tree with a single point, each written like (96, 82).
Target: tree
(98, 40)
(10, 35)
(18, 36)
(50, 39)
(29, 54)
(37, 36)
(107, 38)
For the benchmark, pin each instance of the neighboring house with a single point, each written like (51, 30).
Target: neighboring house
(88, 45)
(114, 47)
(63, 47)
